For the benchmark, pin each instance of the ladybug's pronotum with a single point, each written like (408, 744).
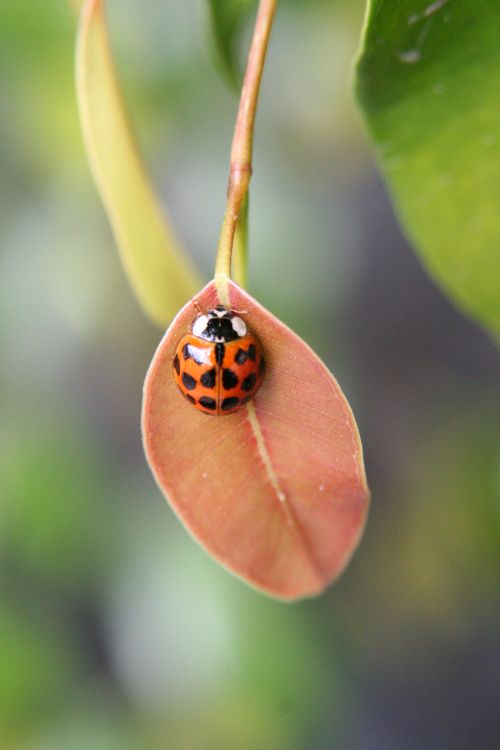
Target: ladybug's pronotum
(218, 365)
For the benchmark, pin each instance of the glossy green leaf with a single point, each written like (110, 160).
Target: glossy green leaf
(227, 18)
(160, 275)
(428, 78)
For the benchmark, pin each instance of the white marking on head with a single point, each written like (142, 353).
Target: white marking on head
(239, 326)
(199, 325)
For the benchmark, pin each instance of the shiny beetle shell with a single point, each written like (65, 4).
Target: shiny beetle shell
(218, 365)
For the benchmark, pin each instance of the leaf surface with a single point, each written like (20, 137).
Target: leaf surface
(276, 491)
(428, 78)
(227, 18)
(159, 273)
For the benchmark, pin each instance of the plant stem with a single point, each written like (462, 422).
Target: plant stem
(240, 245)
(241, 150)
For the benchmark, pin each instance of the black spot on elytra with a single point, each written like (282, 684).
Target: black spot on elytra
(177, 366)
(262, 365)
(208, 403)
(229, 403)
(190, 398)
(252, 352)
(219, 353)
(241, 357)
(188, 381)
(229, 379)
(185, 351)
(208, 378)
(249, 382)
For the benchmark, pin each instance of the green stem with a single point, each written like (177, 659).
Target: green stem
(241, 150)
(240, 245)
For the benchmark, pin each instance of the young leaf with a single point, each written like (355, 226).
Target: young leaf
(428, 79)
(227, 17)
(276, 491)
(160, 275)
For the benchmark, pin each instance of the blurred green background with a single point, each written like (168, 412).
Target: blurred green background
(116, 630)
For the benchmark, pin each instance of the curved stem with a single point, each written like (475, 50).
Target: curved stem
(241, 150)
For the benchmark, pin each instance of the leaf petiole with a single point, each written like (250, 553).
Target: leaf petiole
(240, 170)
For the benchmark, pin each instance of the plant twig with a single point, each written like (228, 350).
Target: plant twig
(241, 150)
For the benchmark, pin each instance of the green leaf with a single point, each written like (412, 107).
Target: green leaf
(428, 78)
(228, 17)
(160, 275)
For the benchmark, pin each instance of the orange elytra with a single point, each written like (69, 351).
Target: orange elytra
(218, 365)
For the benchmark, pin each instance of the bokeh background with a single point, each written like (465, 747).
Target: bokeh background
(116, 631)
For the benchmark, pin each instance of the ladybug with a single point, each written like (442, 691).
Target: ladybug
(218, 366)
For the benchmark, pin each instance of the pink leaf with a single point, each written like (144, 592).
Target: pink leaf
(276, 492)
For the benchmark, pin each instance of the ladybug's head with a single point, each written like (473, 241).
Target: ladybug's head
(219, 325)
